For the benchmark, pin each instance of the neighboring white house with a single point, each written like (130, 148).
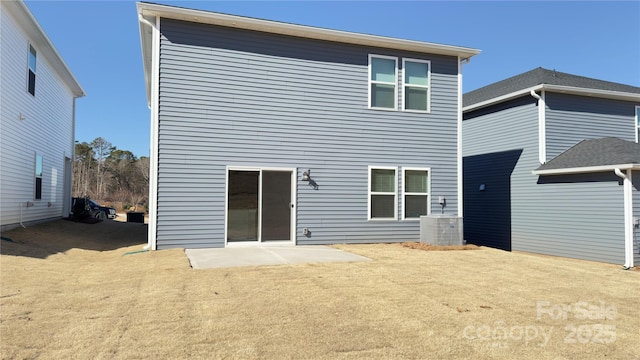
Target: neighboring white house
(37, 112)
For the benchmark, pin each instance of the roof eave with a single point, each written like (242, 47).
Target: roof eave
(36, 34)
(146, 40)
(586, 169)
(608, 94)
(502, 98)
(310, 32)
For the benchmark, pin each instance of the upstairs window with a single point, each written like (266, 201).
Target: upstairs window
(416, 76)
(38, 174)
(31, 84)
(416, 184)
(383, 80)
(382, 193)
(637, 123)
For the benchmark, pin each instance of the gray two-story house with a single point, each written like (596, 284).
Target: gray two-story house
(549, 166)
(266, 132)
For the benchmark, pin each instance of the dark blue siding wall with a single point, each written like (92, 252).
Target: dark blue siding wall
(231, 97)
(487, 198)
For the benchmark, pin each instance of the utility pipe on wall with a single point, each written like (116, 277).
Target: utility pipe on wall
(628, 217)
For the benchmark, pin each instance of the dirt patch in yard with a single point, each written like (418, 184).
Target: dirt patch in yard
(84, 297)
(57, 237)
(429, 247)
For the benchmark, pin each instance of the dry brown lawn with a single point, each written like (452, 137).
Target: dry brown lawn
(69, 291)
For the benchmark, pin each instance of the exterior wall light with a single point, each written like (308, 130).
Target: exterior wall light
(306, 175)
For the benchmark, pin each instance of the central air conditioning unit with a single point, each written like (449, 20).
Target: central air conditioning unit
(441, 230)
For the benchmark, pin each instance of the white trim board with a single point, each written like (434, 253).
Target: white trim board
(587, 169)
(608, 94)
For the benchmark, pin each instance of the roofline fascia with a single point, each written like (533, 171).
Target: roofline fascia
(147, 52)
(269, 26)
(502, 98)
(586, 169)
(35, 33)
(609, 94)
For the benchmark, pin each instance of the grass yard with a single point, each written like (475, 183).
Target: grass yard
(67, 291)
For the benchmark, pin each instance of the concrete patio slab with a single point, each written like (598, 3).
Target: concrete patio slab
(276, 255)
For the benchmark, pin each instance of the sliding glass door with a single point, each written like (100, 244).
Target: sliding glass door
(259, 205)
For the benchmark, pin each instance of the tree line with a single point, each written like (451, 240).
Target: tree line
(105, 173)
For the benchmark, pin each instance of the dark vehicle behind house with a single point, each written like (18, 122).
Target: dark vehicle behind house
(85, 207)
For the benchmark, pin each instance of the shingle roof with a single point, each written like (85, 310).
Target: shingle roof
(540, 76)
(596, 152)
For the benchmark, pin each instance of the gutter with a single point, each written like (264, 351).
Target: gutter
(587, 169)
(303, 31)
(606, 94)
(628, 217)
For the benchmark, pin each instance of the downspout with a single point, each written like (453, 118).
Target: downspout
(153, 151)
(460, 192)
(542, 126)
(628, 217)
(143, 20)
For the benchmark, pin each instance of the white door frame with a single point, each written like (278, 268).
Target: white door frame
(260, 169)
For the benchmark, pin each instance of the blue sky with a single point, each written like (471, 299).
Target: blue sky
(99, 40)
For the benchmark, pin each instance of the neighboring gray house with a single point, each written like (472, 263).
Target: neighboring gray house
(531, 181)
(37, 110)
(272, 133)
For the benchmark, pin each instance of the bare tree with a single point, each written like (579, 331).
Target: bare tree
(103, 172)
(83, 170)
(101, 149)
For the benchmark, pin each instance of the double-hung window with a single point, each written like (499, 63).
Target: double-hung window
(383, 81)
(637, 123)
(415, 192)
(383, 193)
(38, 175)
(31, 73)
(415, 84)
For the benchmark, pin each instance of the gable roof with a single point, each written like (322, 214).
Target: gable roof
(148, 11)
(594, 155)
(40, 40)
(551, 80)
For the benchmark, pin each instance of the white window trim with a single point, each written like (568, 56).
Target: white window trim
(405, 85)
(371, 82)
(637, 118)
(29, 46)
(405, 192)
(395, 194)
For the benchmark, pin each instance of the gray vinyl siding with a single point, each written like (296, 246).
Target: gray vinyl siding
(578, 217)
(571, 119)
(581, 218)
(231, 97)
